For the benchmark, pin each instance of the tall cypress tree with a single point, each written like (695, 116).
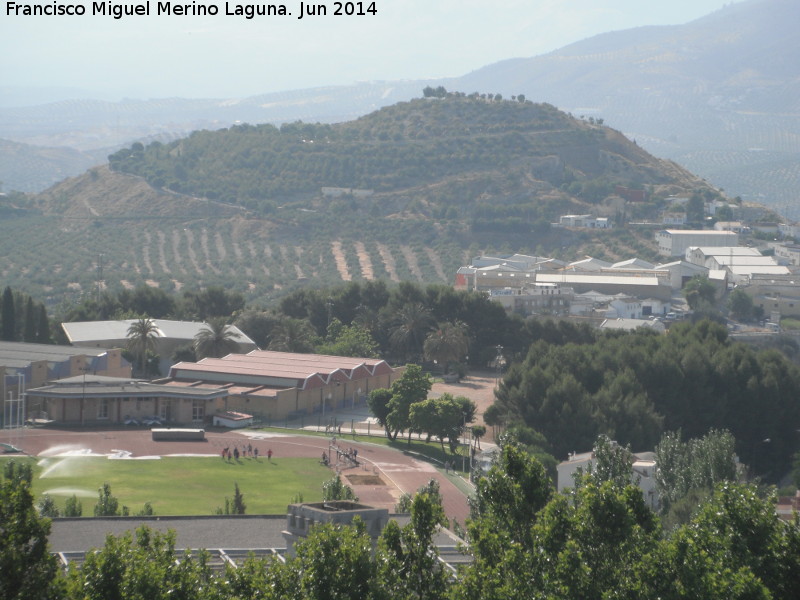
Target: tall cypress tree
(29, 332)
(42, 326)
(9, 316)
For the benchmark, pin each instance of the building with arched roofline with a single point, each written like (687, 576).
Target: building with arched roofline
(278, 385)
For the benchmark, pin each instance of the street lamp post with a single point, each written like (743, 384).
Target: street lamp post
(497, 360)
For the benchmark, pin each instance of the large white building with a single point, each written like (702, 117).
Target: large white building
(170, 335)
(674, 242)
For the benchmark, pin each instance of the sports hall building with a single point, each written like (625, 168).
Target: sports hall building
(282, 385)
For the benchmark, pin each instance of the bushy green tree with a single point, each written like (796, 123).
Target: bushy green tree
(378, 402)
(698, 291)
(348, 340)
(736, 547)
(412, 386)
(333, 563)
(143, 565)
(697, 464)
(407, 563)
(73, 507)
(741, 306)
(27, 569)
(107, 504)
(47, 507)
(336, 489)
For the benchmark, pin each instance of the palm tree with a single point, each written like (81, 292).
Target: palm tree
(142, 336)
(292, 335)
(215, 340)
(446, 345)
(411, 326)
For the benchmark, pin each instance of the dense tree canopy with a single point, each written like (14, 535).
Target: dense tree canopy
(596, 541)
(634, 386)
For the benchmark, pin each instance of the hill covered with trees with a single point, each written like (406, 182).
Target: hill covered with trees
(446, 150)
(409, 192)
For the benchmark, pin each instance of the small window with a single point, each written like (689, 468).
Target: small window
(198, 410)
(102, 408)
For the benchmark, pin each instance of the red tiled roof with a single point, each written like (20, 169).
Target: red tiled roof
(297, 370)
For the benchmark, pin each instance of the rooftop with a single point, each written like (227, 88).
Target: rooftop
(90, 331)
(21, 354)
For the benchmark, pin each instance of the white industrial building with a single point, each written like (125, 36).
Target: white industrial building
(674, 242)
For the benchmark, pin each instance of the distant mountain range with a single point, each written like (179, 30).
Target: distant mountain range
(719, 95)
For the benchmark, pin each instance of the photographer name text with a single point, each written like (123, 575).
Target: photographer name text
(194, 9)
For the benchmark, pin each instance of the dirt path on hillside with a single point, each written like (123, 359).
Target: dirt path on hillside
(207, 252)
(437, 263)
(90, 208)
(192, 253)
(367, 272)
(146, 252)
(341, 261)
(220, 244)
(411, 260)
(237, 251)
(177, 259)
(388, 262)
(162, 256)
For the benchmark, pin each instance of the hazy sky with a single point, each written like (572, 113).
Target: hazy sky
(231, 56)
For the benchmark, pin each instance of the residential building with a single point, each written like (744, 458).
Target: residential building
(774, 293)
(787, 254)
(534, 299)
(584, 222)
(673, 218)
(624, 307)
(735, 226)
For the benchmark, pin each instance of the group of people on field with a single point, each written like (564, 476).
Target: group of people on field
(248, 451)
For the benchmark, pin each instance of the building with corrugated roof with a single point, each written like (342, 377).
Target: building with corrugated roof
(24, 365)
(98, 400)
(170, 335)
(279, 385)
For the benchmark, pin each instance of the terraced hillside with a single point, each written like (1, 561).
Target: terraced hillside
(443, 179)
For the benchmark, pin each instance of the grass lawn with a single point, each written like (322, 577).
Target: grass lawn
(180, 485)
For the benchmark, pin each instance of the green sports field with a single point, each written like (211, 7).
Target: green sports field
(180, 485)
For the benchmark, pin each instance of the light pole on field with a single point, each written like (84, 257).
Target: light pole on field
(497, 362)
